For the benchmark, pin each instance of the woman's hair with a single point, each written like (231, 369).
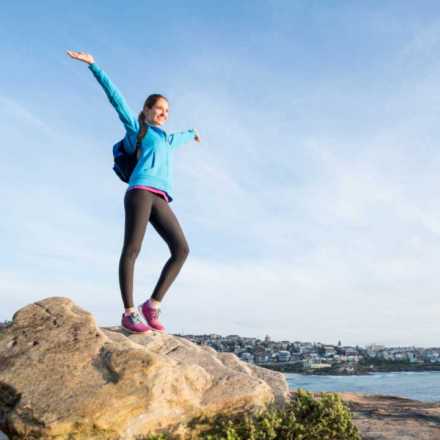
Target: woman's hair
(149, 103)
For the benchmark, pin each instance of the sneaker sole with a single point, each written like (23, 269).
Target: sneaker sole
(135, 332)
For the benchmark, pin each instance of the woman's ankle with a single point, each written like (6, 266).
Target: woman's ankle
(154, 304)
(129, 310)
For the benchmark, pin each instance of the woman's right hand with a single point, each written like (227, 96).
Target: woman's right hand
(82, 56)
(197, 135)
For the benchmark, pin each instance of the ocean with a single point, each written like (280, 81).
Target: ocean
(423, 386)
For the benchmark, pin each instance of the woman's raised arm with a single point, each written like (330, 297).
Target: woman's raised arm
(113, 94)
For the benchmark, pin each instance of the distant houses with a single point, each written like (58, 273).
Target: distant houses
(312, 356)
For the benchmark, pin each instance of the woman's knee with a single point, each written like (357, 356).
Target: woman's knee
(180, 252)
(131, 252)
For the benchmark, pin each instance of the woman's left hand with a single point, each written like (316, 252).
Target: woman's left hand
(197, 136)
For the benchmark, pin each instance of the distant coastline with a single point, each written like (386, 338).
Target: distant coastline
(420, 385)
(353, 369)
(323, 359)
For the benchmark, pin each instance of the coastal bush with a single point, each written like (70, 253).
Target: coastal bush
(303, 418)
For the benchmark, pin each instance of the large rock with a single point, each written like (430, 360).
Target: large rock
(63, 377)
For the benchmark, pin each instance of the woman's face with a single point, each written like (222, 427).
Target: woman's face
(158, 114)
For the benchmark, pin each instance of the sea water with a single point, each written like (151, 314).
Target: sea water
(423, 386)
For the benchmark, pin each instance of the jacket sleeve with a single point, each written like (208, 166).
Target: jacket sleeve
(116, 99)
(176, 140)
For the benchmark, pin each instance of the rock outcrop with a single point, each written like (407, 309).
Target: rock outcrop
(391, 418)
(63, 377)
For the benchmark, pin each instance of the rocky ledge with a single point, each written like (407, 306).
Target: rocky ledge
(393, 418)
(63, 377)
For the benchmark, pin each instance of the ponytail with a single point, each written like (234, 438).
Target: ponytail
(143, 126)
(142, 129)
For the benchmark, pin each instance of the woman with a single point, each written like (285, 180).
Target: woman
(147, 198)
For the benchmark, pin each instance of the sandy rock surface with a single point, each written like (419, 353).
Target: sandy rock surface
(62, 375)
(394, 418)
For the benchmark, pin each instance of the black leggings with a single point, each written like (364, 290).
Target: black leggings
(141, 206)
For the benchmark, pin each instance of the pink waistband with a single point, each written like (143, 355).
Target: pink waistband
(151, 189)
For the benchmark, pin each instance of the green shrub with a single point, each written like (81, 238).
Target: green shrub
(303, 418)
(157, 437)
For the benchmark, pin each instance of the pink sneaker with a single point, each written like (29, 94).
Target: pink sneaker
(151, 316)
(134, 324)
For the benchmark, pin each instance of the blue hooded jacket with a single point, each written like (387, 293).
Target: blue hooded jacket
(154, 167)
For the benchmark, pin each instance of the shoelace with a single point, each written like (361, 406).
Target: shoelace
(136, 319)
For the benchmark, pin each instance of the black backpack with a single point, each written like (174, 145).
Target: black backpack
(124, 162)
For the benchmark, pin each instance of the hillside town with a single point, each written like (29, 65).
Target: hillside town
(317, 358)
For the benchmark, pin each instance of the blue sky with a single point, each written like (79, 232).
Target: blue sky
(311, 207)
